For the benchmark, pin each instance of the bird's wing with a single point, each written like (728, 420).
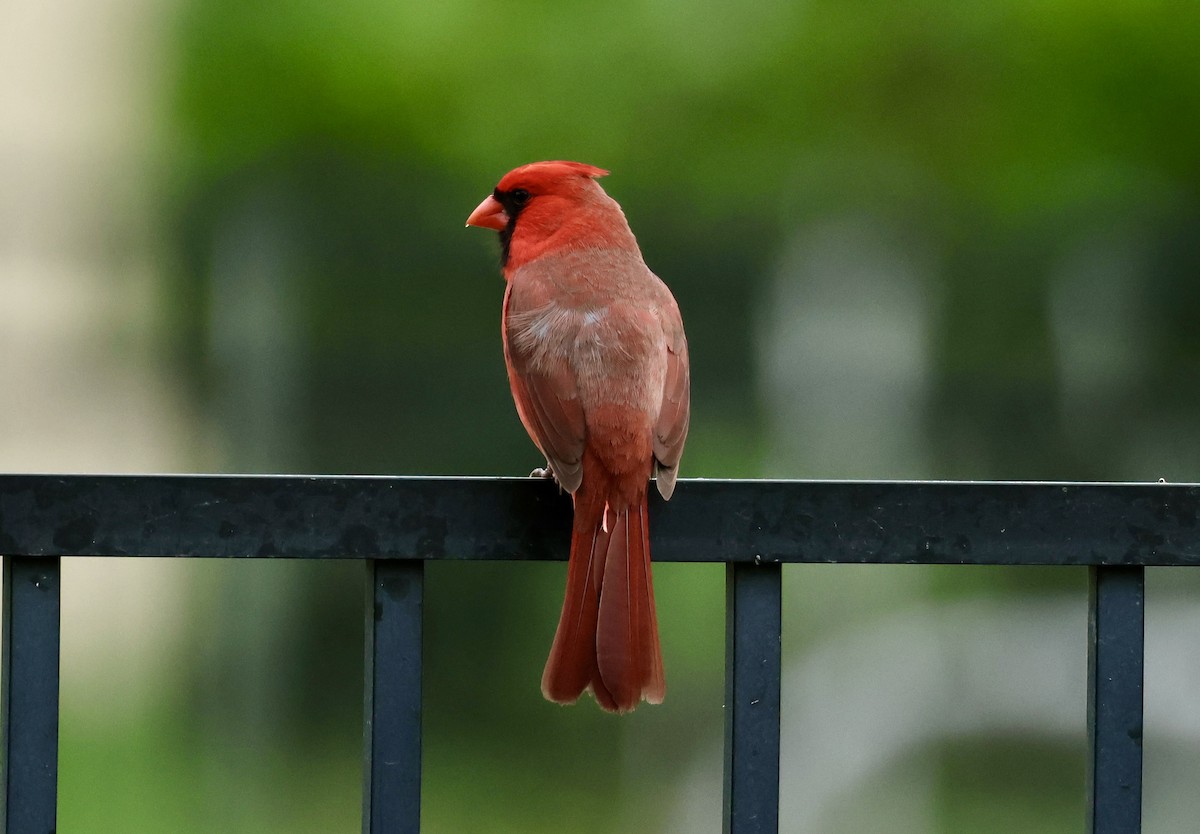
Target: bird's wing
(670, 430)
(543, 387)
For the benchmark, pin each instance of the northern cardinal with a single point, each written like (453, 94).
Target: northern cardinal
(598, 366)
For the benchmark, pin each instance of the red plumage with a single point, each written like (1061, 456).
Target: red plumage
(598, 365)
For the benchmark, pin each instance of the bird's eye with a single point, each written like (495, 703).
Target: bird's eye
(519, 196)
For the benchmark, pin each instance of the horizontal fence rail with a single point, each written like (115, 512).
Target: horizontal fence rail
(395, 524)
(944, 523)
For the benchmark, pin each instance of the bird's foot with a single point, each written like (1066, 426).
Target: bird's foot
(547, 473)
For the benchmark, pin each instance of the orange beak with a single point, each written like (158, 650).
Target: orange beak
(489, 215)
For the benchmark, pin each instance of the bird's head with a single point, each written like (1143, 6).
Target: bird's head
(539, 199)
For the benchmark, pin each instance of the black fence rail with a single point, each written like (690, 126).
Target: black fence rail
(396, 524)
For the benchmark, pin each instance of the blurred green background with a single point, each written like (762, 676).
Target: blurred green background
(923, 240)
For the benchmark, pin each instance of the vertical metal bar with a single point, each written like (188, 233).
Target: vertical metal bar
(752, 672)
(1116, 653)
(392, 697)
(30, 695)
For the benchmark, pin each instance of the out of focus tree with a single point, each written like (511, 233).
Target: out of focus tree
(909, 240)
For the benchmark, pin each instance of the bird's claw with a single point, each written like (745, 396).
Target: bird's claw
(546, 473)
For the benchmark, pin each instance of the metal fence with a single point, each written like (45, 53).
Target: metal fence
(396, 524)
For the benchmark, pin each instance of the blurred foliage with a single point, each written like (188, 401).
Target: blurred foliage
(339, 147)
(997, 135)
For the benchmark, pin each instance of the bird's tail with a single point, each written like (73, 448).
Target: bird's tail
(607, 637)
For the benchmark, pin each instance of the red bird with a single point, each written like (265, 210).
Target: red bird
(598, 366)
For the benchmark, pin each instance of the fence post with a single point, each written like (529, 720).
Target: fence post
(392, 697)
(1116, 654)
(753, 599)
(30, 695)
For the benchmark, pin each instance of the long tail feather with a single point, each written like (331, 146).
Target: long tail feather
(607, 637)
(654, 685)
(628, 657)
(571, 667)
